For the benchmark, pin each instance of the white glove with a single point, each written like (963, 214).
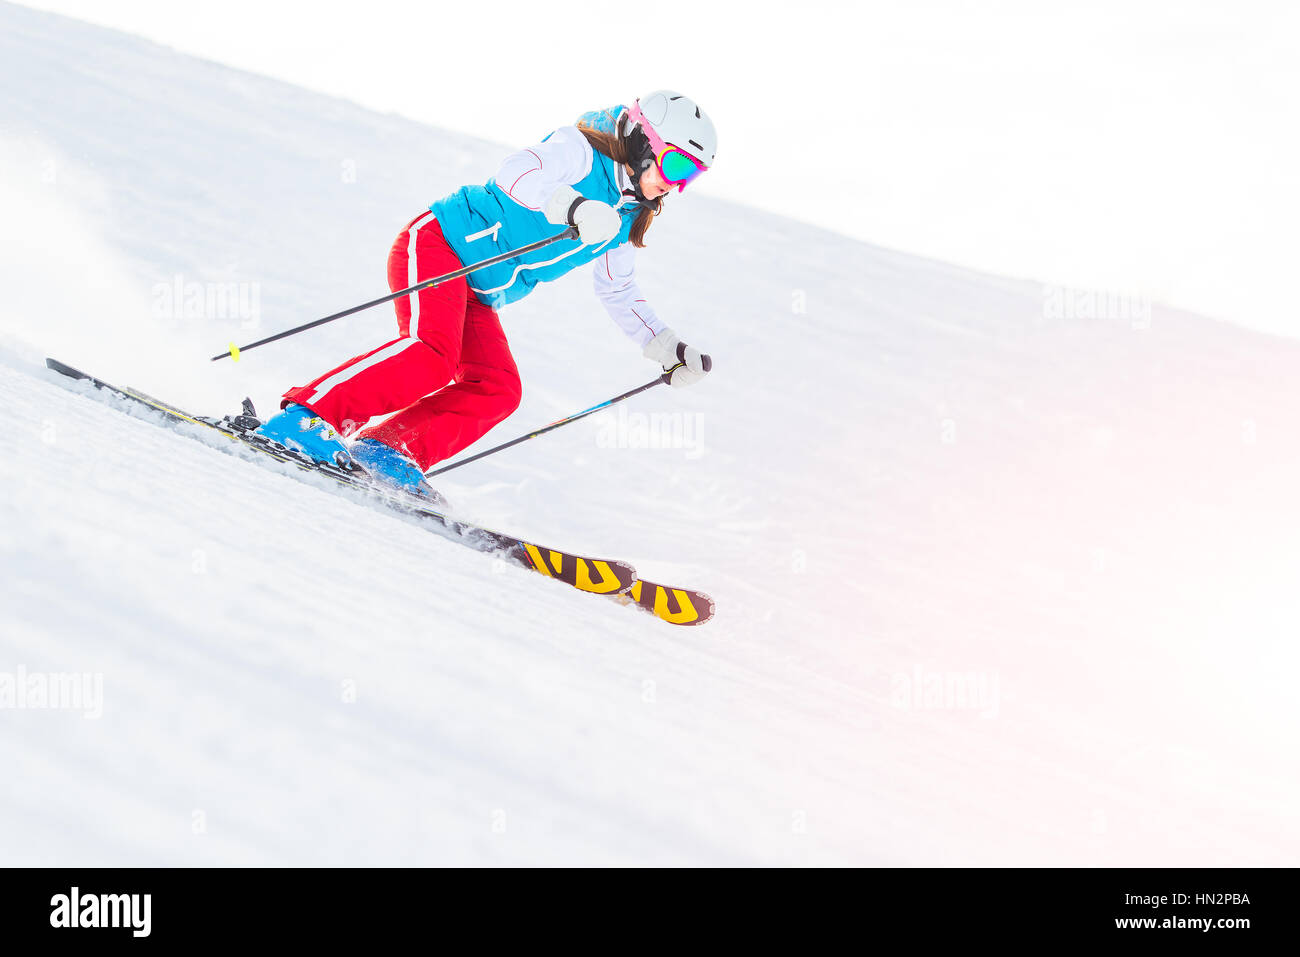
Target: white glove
(682, 364)
(597, 222)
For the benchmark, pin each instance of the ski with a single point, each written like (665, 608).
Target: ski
(594, 575)
(677, 606)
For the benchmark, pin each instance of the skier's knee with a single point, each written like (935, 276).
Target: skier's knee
(511, 393)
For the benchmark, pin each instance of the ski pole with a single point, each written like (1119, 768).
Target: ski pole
(554, 425)
(234, 350)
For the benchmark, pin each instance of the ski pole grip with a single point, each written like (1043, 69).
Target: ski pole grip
(706, 362)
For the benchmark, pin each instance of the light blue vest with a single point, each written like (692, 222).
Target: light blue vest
(480, 222)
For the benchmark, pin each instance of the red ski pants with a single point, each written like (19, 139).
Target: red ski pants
(449, 377)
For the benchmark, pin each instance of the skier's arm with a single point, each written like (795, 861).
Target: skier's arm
(615, 281)
(531, 176)
(541, 178)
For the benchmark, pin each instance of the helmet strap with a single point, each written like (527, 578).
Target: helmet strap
(642, 157)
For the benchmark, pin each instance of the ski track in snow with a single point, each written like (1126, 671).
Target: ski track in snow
(901, 477)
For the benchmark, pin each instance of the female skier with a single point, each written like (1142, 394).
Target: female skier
(449, 376)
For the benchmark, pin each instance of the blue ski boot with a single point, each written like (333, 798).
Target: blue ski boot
(387, 465)
(299, 428)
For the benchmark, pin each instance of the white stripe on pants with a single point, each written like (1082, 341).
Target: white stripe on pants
(413, 273)
(343, 375)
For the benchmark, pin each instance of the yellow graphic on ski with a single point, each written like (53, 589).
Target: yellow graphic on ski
(595, 575)
(677, 606)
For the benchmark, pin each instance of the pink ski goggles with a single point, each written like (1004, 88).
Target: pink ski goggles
(675, 165)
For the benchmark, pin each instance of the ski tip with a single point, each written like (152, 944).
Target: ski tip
(677, 606)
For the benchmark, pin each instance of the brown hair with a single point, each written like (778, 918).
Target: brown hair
(615, 147)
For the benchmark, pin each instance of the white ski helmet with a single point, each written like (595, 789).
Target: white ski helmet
(677, 120)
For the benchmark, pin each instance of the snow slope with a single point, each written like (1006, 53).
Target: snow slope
(993, 587)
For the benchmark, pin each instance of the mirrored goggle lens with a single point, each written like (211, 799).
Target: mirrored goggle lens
(677, 167)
